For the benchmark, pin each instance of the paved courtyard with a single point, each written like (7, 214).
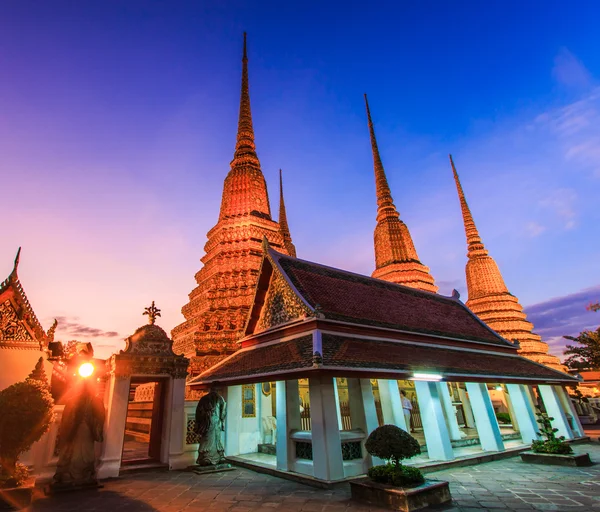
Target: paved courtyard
(501, 485)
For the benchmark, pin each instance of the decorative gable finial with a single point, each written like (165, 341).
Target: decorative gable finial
(17, 258)
(52, 330)
(455, 294)
(152, 313)
(265, 245)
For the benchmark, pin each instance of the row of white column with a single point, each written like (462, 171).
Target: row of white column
(440, 426)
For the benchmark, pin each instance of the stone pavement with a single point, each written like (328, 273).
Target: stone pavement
(501, 485)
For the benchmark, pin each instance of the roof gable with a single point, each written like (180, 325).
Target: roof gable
(18, 322)
(354, 298)
(276, 302)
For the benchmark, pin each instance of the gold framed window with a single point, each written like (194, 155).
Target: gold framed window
(248, 401)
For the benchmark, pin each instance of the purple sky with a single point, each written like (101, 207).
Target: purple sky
(117, 126)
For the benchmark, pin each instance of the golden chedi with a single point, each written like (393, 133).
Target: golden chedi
(396, 258)
(489, 297)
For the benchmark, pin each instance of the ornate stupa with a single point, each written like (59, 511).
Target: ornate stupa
(216, 313)
(489, 297)
(396, 258)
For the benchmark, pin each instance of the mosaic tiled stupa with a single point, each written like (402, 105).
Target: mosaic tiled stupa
(396, 258)
(216, 313)
(489, 297)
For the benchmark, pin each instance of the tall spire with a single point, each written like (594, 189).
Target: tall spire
(385, 203)
(473, 239)
(245, 190)
(489, 297)
(283, 223)
(245, 149)
(396, 258)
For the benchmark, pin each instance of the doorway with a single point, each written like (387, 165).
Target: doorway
(144, 423)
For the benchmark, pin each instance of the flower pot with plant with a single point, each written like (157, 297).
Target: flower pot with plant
(393, 484)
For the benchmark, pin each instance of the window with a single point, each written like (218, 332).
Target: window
(248, 401)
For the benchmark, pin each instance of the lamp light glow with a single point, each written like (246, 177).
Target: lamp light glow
(86, 370)
(427, 376)
(499, 388)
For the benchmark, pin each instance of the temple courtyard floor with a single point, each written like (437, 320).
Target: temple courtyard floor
(507, 484)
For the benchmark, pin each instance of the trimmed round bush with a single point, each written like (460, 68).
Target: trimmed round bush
(27, 411)
(398, 476)
(391, 443)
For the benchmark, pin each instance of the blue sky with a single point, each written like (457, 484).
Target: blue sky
(117, 126)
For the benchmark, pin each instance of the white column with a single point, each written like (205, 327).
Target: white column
(391, 404)
(114, 430)
(485, 417)
(521, 405)
(233, 421)
(178, 427)
(570, 407)
(326, 442)
(555, 410)
(337, 404)
(288, 420)
(370, 413)
(469, 418)
(434, 425)
(449, 411)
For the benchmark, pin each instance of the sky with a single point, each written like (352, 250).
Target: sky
(118, 122)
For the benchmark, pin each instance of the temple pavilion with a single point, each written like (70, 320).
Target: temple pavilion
(324, 328)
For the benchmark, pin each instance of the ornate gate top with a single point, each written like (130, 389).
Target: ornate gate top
(149, 351)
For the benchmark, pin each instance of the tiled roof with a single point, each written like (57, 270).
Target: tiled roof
(363, 300)
(357, 353)
(288, 356)
(375, 357)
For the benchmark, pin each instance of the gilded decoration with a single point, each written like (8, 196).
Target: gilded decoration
(281, 304)
(11, 326)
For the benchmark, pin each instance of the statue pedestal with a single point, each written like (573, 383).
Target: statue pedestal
(202, 470)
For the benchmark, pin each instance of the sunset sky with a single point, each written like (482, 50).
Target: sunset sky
(118, 121)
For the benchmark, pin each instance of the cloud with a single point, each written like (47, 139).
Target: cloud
(534, 229)
(72, 328)
(447, 286)
(576, 128)
(564, 316)
(561, 202)
(569, 71)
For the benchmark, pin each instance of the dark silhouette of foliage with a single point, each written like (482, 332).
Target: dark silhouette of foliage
(27, 413)
(585, 355)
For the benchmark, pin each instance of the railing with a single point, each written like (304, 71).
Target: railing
(305, 418)
(415, 415)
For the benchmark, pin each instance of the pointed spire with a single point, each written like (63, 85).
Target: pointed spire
(245, 189)
(245, 148)
(396, 258)
(474, 242)
(283, 223)
(385, 203)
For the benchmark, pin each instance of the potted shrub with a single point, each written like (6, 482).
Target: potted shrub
(551, 449)
(394, 485)
(27, 413)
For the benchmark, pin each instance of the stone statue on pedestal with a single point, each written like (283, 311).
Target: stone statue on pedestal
(80, 427)
(210, 422)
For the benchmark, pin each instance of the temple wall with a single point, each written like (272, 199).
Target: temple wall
(17, 364)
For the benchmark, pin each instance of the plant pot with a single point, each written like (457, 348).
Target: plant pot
(407, 499)
(557, 459)
(17, 497)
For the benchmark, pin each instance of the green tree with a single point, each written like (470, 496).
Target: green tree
(586, 354)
